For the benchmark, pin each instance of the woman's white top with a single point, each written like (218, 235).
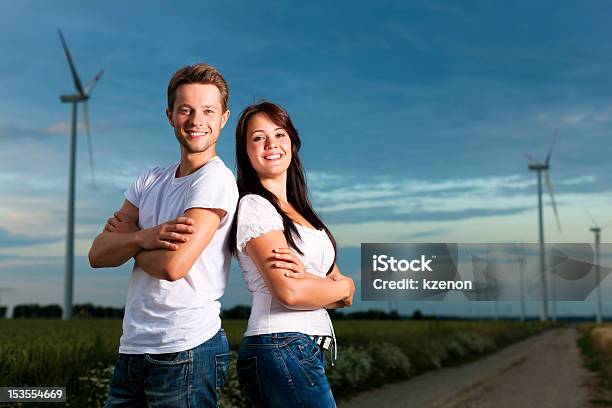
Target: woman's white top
(256, 216)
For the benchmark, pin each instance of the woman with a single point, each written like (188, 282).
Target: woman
(288, 259)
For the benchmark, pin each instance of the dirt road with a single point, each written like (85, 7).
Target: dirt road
(544, 371)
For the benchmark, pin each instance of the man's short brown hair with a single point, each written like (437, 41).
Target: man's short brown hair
(198, 74)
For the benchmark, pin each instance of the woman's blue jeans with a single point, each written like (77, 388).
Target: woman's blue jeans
(190, 378)
(283, 370)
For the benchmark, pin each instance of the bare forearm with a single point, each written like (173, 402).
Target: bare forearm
(111, 249)
(154, 262)
(314, 293)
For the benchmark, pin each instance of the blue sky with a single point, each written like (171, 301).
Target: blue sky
(414, 118)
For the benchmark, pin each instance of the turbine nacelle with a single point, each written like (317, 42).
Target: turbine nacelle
(538, 166)
(70, 98)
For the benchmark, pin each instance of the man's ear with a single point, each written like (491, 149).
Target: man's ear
(169, 116)
(224, 118)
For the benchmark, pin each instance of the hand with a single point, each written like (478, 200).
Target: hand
(294, 268)
(120, 222)
(167, 235)
(348, 301)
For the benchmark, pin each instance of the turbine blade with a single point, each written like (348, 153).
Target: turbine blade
(94, 82)
(551, 147)
(607, 225)
(89, 142)
(590, 216)
(549, 187)
(75, 76)
(530, 158)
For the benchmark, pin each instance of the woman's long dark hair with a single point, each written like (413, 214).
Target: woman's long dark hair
(249, 183)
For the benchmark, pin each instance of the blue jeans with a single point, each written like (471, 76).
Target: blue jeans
(190, 378)
(283, 370)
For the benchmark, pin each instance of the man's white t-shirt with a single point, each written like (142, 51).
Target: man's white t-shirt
(167, 317)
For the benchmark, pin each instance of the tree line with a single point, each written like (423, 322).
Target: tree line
(55, 311)
(89, 310)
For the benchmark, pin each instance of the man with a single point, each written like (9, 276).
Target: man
(175, 222)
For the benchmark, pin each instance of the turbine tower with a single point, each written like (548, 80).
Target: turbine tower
(540, 168)
(597, 231)
(81, 95)
(520, 259)
(5, 290)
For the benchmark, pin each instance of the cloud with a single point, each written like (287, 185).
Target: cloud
(8, 239)
(17, 263)
(385, 209)
(59, 127)
(373, 214)
(21, 216)
(64, 128)
(588, 115)
(12, 132)
(588, 179)
(511, 193)
(44, 251)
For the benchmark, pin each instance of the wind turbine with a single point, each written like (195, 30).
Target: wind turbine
(5, 290)
(81, 95)
(540, 168)
(597, 231)
(520, 258)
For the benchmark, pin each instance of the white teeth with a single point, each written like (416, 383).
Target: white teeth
(273, 157)
(196, 134)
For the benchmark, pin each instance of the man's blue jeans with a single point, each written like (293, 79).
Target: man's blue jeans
(190, 378)
(283, 370)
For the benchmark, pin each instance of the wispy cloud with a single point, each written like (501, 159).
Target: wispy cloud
(64, 128)
(60, 127)
(405, 196)
(581, 115)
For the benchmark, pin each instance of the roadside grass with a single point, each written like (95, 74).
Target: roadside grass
(595, 344)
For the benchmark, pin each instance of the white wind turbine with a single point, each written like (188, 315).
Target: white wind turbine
(5, 290)
(597, 231)
(540, 168)
(81, 95)
(520, 259)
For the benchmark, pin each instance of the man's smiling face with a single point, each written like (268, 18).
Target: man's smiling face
(197, 117)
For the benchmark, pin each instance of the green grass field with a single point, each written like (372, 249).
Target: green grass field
(80, 354)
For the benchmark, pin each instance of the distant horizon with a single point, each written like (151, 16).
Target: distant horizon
(404, 316)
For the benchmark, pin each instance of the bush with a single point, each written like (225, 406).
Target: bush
(351, 370)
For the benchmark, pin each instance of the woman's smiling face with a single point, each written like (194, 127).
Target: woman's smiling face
(268, 146)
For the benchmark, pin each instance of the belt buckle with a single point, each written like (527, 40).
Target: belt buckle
(322, 341)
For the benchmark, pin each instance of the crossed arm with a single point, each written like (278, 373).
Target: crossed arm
(287, 280)
(167, 251)
(115, 248)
